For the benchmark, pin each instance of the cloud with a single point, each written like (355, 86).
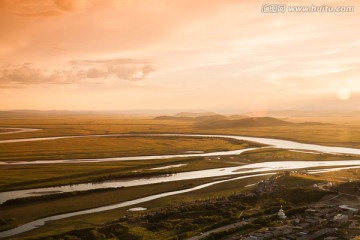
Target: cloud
(12, 76)
(316, 84)
(71, 5)
(48, 13)
(30, 8)
(43, 8)
(120, 61)
(147, 69)
(124, 69)
(130, 73)
(96, 73)
(19, 75)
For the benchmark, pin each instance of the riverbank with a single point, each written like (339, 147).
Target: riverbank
(127, 193)
(187, 218)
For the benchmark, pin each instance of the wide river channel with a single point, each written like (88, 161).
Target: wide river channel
(238, 172)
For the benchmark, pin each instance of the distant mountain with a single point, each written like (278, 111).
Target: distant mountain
(234, 117)
(165, 117)
(194, 115)
(245, 122)
(210, 120)
(313, 123)
(31, 113)
(299, 113)
(200, 118)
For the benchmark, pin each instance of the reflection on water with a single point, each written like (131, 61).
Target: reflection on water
(136, 158)
(169, 166)
(136, 209)
(268, 141)
(257, 169)
(18, 130)
(218, 172)
(40, 222)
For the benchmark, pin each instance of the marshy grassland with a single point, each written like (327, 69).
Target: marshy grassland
(106, 147)
(341, 132)
(196, 211)
(27, 176)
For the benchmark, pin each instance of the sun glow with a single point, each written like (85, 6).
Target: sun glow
(343, 94)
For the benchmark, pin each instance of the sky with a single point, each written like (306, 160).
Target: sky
(214, 55)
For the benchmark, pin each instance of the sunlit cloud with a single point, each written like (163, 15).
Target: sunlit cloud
(124, 69)
(207, 53)
(13, 76)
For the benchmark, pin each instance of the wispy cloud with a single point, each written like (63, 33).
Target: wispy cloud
(72, 5)
(13, 76)
(44, 8)
(123, 69)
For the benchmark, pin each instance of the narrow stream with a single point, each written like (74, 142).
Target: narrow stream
(18, 130)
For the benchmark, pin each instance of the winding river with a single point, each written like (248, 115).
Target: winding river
(246, 171)
(40, 222)
(18, 130)
(263, 167)
(276, 143)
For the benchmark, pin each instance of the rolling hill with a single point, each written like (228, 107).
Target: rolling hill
(192, 117)
(214, 121)
(245, 122)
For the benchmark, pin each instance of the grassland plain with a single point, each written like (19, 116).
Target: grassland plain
(104, 147)
(20, 177)
(15, 177)
(5, 131)
(340, 133)
(195, 212)
(89, 220)
(22, 213)
(27, 176)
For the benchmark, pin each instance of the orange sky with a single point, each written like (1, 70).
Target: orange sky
(176, 54)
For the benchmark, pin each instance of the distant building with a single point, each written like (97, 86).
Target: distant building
(341, 219)
(281, 214)
(346, 207)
